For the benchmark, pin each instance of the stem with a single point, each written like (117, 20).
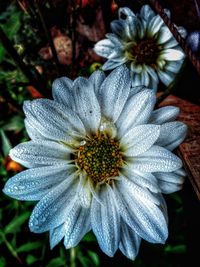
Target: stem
(191, 55)
(38, 84)
(48, 36)
(10, 248)
(72, 257)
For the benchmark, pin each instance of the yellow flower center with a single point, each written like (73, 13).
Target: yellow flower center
(100, 158)
(145, 51)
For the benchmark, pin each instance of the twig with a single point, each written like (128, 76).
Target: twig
(191, 55)
(36, 82)
(48, 36)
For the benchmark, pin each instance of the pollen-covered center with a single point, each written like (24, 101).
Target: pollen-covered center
(145, 51)
(100, 157)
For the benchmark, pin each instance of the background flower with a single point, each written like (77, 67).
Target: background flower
(92, 158)
(145, 44)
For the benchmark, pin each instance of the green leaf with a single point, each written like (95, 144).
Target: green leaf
(29, 246)
(15, 124)
(6, 145)
(180, 249)
(94, 257)
(89, 237)
(16, 223)
(2, 53)
(57, 262)
(30, 259)
(2, 262)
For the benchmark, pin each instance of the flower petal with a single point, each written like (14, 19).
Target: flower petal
(56, 235)
(61, 91)
(154, 25)
(130, 242)
(111, 64)
(51, 210)
(170, 182)
(144, 216)
(166, 77)
(147, 13)
(139, 139)
(33, 184)
(106, 223)
(136, 111)
(77, 224)
(172, 134)
(97, 78)
(32, 154)
(143, 179)
(164, 114)
(118, 28)
(104, 47)
(173, 54)
(87, 105)
(156, 159)
(114, 92)
(53, 120)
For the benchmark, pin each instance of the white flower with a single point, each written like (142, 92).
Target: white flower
(145, 44)
(97, 161)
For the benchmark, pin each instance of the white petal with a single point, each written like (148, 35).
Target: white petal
(77, 224)
(153, 79)
(110, 64)
(118, 27)
(172, 134)
(130, 242)
(61, 91)
(173, 54)
(32, 131)
(51, 210)
(106, 223)
(114, 92)
(33, 184)
(114, 39)
(136, 89)
(142, 215)
(97, 79)
(156, 159)
(53, 120)
(145, 180)
(182, 31)
(56, 235)
(125, 11)
(32, 154)
(136, 111)
(164, 35)
(164, 114)
(169, 182)
(166, 77)
(154, 25)
(173, 66)
(146, 12)
(87, 105)
(84, 192)
(139, 139)
(104, 47)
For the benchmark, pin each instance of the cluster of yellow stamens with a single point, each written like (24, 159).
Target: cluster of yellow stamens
(100, 158)
(146, 51)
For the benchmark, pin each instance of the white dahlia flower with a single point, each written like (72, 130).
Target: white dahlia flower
(145, 44)
(99, 159)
